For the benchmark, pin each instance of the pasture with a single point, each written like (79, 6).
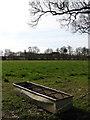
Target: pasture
(67, 76)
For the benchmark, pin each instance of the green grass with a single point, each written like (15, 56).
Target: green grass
(67, 76)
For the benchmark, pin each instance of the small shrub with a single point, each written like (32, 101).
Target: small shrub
(73, 74)
(23, 75)
(6, 80)
(83, 74)
(7, 74)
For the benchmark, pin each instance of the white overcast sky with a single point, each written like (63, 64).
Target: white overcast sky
(16, 35)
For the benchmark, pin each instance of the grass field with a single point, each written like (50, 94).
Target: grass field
(67, 76)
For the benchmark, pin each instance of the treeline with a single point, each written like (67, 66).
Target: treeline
(63, 53)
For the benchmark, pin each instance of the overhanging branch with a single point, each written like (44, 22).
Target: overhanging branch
(60, 8)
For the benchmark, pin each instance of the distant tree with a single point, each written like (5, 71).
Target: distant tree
(25, 52)
(69, 50)
(85, 51)
(35, 49)
(49, 50)
(1, 53)
(79, 50)
(18, 53)
(30, 49)
(88, 51)
(63, 50)
(7, 52)
(71, 13)
(57, 50)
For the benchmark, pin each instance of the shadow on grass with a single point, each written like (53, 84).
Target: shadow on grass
(73, 114)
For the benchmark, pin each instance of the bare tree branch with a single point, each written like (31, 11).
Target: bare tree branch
(75, 14)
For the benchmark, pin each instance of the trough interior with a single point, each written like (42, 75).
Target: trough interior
(43, 90)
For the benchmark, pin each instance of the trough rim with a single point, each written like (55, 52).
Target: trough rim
(45, 96)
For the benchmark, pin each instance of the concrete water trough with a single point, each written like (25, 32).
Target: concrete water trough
(47, 98)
